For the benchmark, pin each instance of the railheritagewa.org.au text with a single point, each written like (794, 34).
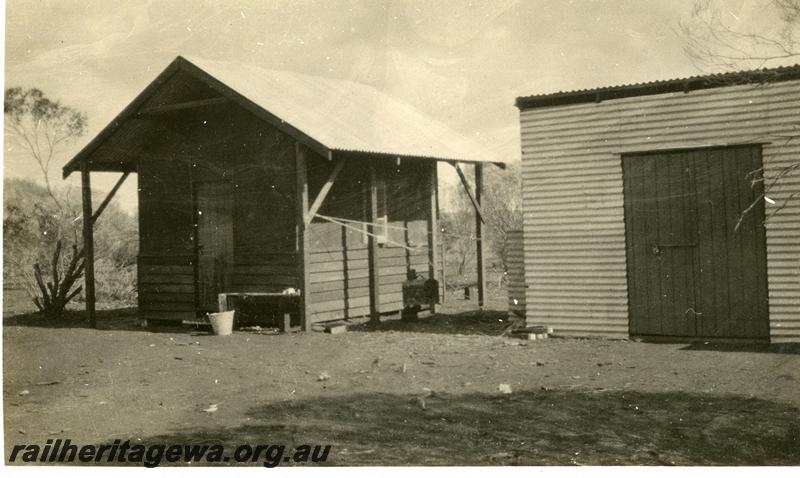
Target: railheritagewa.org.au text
(56, 451)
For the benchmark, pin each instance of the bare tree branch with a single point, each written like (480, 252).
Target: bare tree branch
(712, 39)
(41, 125)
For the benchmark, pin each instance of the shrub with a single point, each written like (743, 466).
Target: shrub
(54, 294)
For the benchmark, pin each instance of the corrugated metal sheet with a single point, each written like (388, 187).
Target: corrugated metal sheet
(344, 115)
(516, 272)
(573, 200)
(691, 83)
(331, 114)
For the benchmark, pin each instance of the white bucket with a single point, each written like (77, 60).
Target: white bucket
(222, 322)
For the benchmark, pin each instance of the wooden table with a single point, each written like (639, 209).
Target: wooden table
(286, 303)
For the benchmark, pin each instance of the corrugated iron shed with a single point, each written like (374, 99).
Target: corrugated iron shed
(573, 190)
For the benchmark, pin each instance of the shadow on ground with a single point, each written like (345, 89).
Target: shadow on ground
(787, 348)
(473, 322)
(109, 319)
(560, 427)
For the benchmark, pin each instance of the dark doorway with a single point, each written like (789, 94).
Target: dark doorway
(691, 271)
(214, 218)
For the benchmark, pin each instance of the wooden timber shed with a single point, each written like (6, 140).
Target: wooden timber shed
(666, 210)
(255, 181)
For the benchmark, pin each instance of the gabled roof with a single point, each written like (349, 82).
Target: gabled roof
(700, 82)
(328, 115)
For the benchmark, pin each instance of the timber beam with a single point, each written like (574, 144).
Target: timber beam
(109, 197)
(481, 250)
(88, 244)
(372, 247)
(475, 202)
(433, 226)
(187, 105)
(323, 192)
(303, 243)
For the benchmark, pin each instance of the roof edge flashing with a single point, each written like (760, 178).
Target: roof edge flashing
(684, 85)
(392, 156)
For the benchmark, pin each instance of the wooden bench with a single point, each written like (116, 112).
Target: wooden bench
(285, 303)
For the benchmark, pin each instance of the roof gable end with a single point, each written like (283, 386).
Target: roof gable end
(327, 115)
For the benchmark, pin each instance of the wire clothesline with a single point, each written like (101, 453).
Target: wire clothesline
(353, 221)
(376, 236)
(343, 222)
(347, 223)
(427, 261)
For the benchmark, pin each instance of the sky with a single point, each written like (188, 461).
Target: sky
(460, 62)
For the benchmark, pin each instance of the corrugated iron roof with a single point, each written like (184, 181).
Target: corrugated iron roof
(344, 115)
(333, 115)
(698, 82)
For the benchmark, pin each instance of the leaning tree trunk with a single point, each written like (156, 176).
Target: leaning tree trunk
(56, 293)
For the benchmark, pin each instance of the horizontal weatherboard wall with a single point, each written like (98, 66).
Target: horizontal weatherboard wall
(575, 261)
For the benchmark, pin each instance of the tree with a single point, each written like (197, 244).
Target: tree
(55, 294)
(31, 223)
(714, 38)
(41, 126)
(502, 212)
(502, 208)
(458, 235)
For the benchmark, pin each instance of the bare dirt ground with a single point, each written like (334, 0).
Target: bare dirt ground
(421, 393)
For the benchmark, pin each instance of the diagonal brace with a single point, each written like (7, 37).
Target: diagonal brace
(108, 198)
(323, 192)
(464, 182)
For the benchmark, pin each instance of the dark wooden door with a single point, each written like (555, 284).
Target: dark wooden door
(214, 216)
(692, 272)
